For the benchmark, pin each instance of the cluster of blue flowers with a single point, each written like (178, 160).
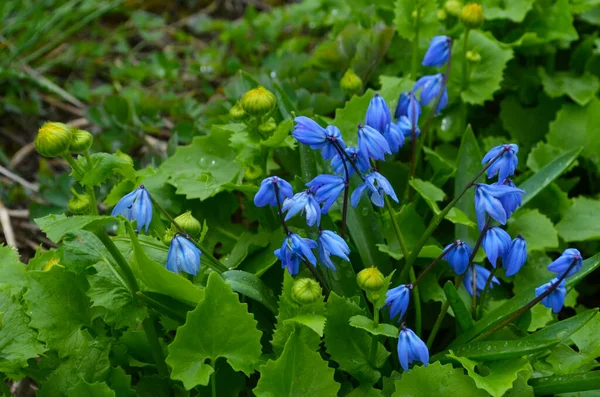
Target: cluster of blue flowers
(569, 263)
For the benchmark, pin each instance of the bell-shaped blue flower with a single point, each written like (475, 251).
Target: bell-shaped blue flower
(408, 106)
(326, 189)
(431, 87)
(510, 202)
(394, 135)
(332, 244)
(556, 299)
(481, 276)
(458, 256)
(372, 144)
(438, 52)
(397, 299)
(487, 200)
(266, 192)
(506, 164)
(308, 132)
(294, 251)
(136, 206)
(303, 202)
(516, 257)
(361, 162)
(496, 243)
(411, 348)
(562, 264)
(378, 114)
(376, 185)
(183, 256)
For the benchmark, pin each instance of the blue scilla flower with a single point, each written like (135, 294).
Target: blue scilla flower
(136, 206)
(438, 52)
(378, 114)
(327, 189)
(506, 164)
(458, 255)
(303, 202)
(562, 264)
(294, 251)
(406, 127)
(516, 257)
(394, 134)
(183, 256)
(411, 348)
(408, 106)
(510, 202)
(372, 144)
(361, 162)
(556, 299)
(376, 185)
(308, 132)
(487, 200)
(397, 299)
(431, 87)
(481, 276)
(496, 243)
(266, 193)
(332, 244)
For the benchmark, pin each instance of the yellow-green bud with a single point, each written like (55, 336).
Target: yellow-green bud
(169, 234)
(473, 56)
(82, 141)
(453, 7)
(50, 264)
(472, 15)
(258, 101)
(414, 14)
(189, 224)
(237, 112)
(268, 127)
(53, 139)
(124, 156)
(441, 15)
(370, 279)
(351, 83)
(306, 290)
(80, 204)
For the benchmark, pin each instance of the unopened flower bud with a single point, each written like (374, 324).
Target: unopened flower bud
(370, 279)
(53, 139)
(258, 101)
(79, 204)
(189, 224)
(82, 141)
(473, 56)
(268, 127)
(453, 7)
(168, 236)
(471, 15)
(350, 83)
(237, 112)
(306, 290)
(441, 15)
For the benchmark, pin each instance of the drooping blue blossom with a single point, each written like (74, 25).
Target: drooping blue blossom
(378, 114)
(376, 185)
(406, 127)
(506, 164)
(431, 88)
(394, 135)
(397, 299)
(303, 202)
(361, 162)
(512, 201)
(496, 243)
(294, 251)
(408, 106)
(481, 276)
(563, 262)
(556, 299)
(516, 257)
(266, 192)
(331, 244)
(327, 189)
(372, 144)
(308, 132)
(411, 348)
(136, 206)
(458, 256)
(487, 201)
(438, 52)
(183, 256)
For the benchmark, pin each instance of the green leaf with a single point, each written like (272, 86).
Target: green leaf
(299, 371)
(351, 115)
(564, 360)
(362, 322)
(581, 89)
(97, 389)
(461, 313)
(549, 22)
(406, 23)
(14, 276)
(536, 228)
(250, 285)
(502, 349)
(436, 380)
(220, 326)
(349, 346)
(573, 383)
(563, 330)
(281, 135)
(469, 164)
(433, 194)
(500, 374)
(80, 250)
(56, 226)
(104, 166)
(513, 10)
(316, 322)
(372, 47)
(542, 154)
(581, 221)
(587, 338)
(365, 391)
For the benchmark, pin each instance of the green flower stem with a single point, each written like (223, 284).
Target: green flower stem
(444, 309)
(88, 189)
(388, 206)
(157, 352)
(161, 308)
(213, 379)
(464, 60)
(417, 302)
(488, 282)
(130, 279)
(213, 263)
(374, 339)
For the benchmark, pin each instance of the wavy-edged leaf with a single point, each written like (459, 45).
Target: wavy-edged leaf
(581, 221)
(316, 322)
(104, 166)
(253, 287)
(362, 322)
(56, 226)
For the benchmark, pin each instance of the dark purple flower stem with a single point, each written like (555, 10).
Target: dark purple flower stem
(472, 258)
(432, 264)
(488, 282)
(280, 211)
(346, 190)
(349, 159)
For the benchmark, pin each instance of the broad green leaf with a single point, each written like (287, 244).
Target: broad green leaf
(469, 164)
(563, 330)
(502, 349)
(587, 338)
(536, 228)
(463, 316)
(513, 10)
(564, 360)
(298, 372)
(540, 317)
(104, 166)
(351, 115)
(281, 137)
(250, 285)
(247, 244)
(56, 226)
(365, 391)
(432, 195)
(80, 250)
(85, 389)
(316, 322)
(406, 22)
(436, 380)
(220, 326)
(581, 221)
(520, 387)
(392, 87)
(559, 384)
(14, 276)
(371, 49)
(500, 374)
(542, 154)
(550, 21)
(362, 322)
(580, 89)
(348, 346)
